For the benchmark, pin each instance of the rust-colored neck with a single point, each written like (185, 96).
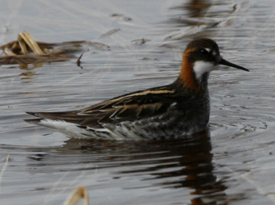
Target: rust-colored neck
(187, 75)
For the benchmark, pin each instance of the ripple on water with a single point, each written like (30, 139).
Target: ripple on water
(236, 165)
(154, 168)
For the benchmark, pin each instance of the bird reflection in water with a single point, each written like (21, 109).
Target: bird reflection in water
(170, 164)
(190, 163)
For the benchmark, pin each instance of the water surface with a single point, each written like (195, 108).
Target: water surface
(232, 163)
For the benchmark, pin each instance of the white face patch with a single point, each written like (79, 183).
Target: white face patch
(202, 67)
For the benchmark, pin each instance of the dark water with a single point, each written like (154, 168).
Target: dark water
(233, 163)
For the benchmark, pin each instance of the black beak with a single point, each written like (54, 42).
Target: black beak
(224, 62)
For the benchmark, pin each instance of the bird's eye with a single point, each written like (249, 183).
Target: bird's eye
(203, 51)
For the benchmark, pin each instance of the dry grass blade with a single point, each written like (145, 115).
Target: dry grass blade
(26, 37)
(109, 33)
(7, 60)
(76, 195)
(27, 51)
(4, 169)
(9, 52)
(78, 62)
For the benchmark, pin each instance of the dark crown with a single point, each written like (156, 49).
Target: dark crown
(203, 49)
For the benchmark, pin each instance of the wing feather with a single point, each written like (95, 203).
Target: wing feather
(130, 107)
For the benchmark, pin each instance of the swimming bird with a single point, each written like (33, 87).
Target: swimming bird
(171, 111)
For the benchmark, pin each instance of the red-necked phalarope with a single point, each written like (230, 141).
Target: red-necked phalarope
(170, 111)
